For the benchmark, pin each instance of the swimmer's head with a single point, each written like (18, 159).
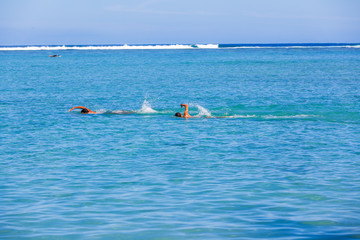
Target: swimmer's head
(178, 114)
(84, 111)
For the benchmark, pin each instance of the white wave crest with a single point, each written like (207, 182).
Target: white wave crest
(111, 47)
(146, 108)
(33, 48)
(352, 46)
(293, 47)
(164, 46)
(207, 46)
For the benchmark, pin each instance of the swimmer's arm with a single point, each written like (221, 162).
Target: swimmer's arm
(186, 113)
(81, 107)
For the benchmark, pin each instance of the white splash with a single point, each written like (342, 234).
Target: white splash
(202, 111)
(101, 111)
(146, 108)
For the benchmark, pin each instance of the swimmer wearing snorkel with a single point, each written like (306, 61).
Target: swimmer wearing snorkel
(84, 110)
(186, 112)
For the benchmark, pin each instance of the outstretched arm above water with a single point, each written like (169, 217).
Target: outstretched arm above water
(186, 113)
(84, 110)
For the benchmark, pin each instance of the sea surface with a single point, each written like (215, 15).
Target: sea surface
(283, 163)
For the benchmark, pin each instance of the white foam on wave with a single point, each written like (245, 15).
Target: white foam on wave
(207, 46)
(292, 47)
(111, 47)
(33, 48)
(277, 47)
(146, 108)
(163, 46)
(352, 46)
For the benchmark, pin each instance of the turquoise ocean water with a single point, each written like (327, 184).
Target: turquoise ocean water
(286, 166)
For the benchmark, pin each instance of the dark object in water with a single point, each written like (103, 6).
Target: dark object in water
(85, 111)
(56, 55)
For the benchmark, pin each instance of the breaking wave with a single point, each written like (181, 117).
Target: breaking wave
(109, 47)
(174, 46)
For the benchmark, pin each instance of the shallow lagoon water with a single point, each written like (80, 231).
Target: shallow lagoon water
(286, 166)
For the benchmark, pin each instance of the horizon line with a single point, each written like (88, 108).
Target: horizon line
(209, 43)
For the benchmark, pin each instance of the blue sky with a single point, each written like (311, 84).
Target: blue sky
(24, 22)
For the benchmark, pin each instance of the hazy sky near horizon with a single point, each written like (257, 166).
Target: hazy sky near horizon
(24, 22)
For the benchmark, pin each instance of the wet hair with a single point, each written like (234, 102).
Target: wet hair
(178, 114)
(84, 111)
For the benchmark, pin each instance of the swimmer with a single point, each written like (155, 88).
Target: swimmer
(84, 110)
(56, 55)
(186, 113)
